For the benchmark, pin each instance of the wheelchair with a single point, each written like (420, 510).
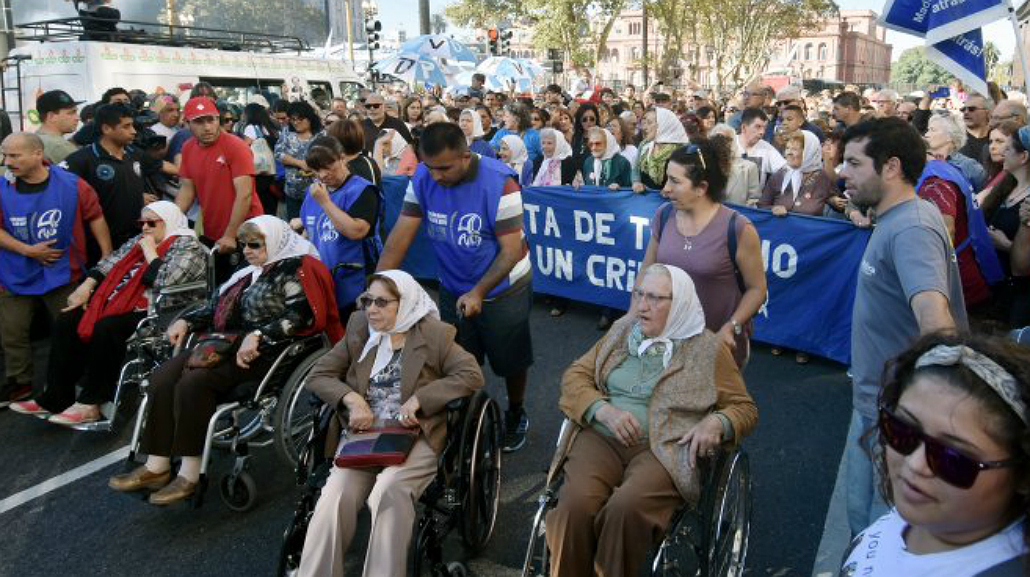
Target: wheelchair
(254, 414)
(709, 540)
(148, 347)
(464, 495)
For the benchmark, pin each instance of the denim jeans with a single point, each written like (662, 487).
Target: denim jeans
(865, 503)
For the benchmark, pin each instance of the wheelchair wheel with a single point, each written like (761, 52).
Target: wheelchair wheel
(239, 494)
(481, 466)
(293, 412)
(730, 524)
(293, 538)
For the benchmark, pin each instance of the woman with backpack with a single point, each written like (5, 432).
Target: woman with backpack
(258, 126)
(715, 245)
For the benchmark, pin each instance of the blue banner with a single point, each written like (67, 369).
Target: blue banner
(963, 56)
(587, 245)
(939, 20)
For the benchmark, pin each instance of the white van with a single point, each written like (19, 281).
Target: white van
(86, 68)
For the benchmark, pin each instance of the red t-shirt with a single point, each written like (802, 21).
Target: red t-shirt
(951, 202)
(212, 169)
(87, 211)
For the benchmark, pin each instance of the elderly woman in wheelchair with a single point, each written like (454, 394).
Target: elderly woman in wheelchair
(284, 293)
(399, 364)
(657, 393)
(89, 337)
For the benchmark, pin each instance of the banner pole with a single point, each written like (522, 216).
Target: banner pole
(1020, 50)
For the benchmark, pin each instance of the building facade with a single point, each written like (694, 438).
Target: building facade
(849, 47)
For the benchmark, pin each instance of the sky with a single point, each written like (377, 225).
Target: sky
(404, 13)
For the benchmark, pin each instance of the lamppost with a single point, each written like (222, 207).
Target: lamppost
(372, 29)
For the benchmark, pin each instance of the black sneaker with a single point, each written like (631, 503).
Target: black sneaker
(516, 424)
(12, 392)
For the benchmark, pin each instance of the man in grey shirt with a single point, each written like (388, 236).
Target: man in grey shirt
(908, 283)
(59, 115)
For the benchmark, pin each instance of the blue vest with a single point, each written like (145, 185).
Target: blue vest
(336, 249)
(977, 235)
(35, 218)
(459, 221)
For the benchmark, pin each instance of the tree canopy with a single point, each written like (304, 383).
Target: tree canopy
(913, 67)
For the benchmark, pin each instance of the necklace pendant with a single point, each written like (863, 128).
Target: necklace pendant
(688, 245)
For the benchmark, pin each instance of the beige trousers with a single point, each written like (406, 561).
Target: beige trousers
(391, 495)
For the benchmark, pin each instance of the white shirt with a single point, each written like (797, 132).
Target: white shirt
(765, 155)
(880, 551)
(162, 130)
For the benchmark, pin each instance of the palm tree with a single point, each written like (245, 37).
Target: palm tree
(439, 24)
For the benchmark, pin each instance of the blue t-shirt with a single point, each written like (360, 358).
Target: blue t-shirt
(464, 222)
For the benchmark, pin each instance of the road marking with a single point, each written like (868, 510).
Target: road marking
(836, 532)
(54, 483)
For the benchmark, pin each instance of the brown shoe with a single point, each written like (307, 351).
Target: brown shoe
(140, 478)
(173, 492)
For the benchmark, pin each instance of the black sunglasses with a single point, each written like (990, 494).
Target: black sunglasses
(948, 464)
(366, 300)
(145, 223)
(253, 245)
(970, 108)
(370, 105)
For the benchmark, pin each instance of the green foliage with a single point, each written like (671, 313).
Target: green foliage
(913, 67)
(297, 18)
(483, 13)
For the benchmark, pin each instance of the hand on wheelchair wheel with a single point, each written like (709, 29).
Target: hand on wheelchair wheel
(177, 332)
(703, 439)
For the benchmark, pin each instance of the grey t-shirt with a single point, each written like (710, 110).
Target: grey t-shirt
(56, 148)
(908, 253)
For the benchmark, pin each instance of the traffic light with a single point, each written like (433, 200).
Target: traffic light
(494, 41)
(373, 27)
(506, 41)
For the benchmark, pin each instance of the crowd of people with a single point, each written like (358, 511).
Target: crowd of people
(106, 205)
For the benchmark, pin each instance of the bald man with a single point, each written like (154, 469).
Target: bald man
(44, 214)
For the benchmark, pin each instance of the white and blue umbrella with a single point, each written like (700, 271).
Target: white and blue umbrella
(439, 46)
(494, 83)
(507, 68)
(535, 69)
(412, 68)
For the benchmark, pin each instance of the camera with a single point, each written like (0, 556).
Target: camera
(147, 139)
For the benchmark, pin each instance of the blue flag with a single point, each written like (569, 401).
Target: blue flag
(963, 56)
(939, 20)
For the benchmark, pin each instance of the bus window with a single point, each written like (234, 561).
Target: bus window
(240, 90)
(321, 94)
(350, 91)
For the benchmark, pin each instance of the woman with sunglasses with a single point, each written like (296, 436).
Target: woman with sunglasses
(584, 118)
(89, 337)
(291, 150)
(399, 364)
(655, 395)
(663, 133)
(692, 231)
(285, 292)
(953, 458)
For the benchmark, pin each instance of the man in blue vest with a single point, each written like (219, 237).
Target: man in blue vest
(473, 211)
(44, 213)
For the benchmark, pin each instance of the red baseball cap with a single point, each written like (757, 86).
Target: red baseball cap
(199, 107)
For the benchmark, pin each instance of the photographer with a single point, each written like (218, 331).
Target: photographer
(117, 170)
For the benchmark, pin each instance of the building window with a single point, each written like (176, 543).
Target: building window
(808, 51)
(635, 28)
(823, 52)
(614, 55)
(635, 52)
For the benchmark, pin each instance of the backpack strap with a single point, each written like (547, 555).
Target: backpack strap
(664, 214)
(731, 244)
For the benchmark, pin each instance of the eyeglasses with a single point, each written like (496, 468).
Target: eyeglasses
(228, 120)
(151, 223)
(971, 108)
(371, 105)
(589, 119)
(253, 245)
(366, 300)
(695, 149)
(596, 144)
(650, 298)
(948, 464)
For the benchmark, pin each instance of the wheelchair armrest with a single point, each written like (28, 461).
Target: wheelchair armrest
(183, 288)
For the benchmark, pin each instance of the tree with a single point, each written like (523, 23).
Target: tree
(305, 20)
(991, 58)
(735, 35)
(483, 13)
(913, 67)
(438, 23)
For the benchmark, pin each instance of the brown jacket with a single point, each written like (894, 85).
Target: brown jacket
(433, 368)
(701, 377)
(816, 191)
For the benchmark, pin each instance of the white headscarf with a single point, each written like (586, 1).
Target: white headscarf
(280, 243)
(562, 150)
(397, 144)
(670, 129)
(686, 317)
(811, 160)
(519, 154)
(477, 124)
(176, 223)
(414, 306)
(611, 148)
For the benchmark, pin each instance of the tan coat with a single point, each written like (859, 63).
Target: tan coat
(701, 377)
(434, 368)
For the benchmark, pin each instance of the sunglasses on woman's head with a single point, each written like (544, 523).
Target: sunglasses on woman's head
(366, 300)
(947, 463)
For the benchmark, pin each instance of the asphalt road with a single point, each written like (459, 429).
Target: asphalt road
(83, 528)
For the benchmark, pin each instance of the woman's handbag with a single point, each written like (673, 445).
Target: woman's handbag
(264, 158)
(376, 447)
(212, 349)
